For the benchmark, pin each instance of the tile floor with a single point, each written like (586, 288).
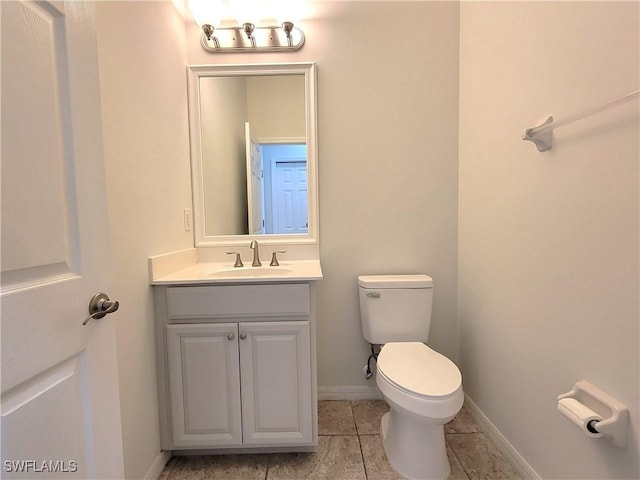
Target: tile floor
(349, 448)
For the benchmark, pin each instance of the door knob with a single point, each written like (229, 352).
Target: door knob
(100, 306)
(243, 336)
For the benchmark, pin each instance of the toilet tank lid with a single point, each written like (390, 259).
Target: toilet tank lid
(395, 281)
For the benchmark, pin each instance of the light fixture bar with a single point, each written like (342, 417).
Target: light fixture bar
(259, 39)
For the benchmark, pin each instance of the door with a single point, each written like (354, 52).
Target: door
(289, 193)
(255, 183)
(204, 385)
(59, 403)
(275, 368)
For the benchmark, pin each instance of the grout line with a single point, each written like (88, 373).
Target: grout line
(332, 434)
(455, 454)
(355, 423)
(364, 464)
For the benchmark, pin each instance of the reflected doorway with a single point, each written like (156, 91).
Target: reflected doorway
(285, 188)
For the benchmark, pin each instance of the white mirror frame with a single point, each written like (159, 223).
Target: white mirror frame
(194, 73)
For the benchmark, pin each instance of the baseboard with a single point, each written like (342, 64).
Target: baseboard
(158, 466)
(349, 393)
(519, 463)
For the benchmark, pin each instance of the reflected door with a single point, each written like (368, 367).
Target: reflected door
(59, 403)
(289, 191)
(255, 183)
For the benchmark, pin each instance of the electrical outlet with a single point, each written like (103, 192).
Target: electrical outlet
(188, 220)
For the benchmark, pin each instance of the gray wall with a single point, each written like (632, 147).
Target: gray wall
(388, 148)
(223, 114)
(548, 278)
(146, 142)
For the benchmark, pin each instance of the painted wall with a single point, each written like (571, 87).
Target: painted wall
(388, 146)
(548, 242)
(275, 105)
(224, 167)
(144, 105)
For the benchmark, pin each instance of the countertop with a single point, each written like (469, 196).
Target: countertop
(224, 273)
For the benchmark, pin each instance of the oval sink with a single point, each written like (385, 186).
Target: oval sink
(250, 272)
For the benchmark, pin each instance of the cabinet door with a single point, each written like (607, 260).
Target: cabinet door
(275, 366)
(204, 385)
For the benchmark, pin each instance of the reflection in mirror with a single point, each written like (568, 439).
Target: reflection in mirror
(253, 153)
(285, 181)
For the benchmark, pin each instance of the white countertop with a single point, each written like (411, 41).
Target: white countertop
(213, 273)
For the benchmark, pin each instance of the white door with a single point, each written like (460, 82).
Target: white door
(204, 385)
(275, 372)
(60, 415)
(255, 181)
(289, 197)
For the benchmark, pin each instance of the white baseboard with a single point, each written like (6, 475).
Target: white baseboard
(158, 466)
(524, 469)
(349, 393)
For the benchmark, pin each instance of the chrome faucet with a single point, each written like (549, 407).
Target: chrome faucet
(256, 254)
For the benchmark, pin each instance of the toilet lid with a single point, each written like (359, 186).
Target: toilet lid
(414, 367)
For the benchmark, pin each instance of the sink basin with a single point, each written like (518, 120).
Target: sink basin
(250, 272)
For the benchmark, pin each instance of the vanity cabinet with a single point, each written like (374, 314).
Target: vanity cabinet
(236, 367)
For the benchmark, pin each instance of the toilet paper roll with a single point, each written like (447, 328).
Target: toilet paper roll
(579, 414)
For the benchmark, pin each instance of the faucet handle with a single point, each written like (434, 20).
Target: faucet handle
(238, 262)
(274, 257)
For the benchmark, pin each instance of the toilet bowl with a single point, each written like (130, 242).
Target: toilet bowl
(424, 390)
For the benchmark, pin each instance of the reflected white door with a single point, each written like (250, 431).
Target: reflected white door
(255, 182)
(289, 196)
(59, 403)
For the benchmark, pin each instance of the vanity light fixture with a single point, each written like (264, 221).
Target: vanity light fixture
(248, 36)
(207, 14)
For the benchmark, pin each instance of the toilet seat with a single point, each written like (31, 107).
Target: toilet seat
(417, 370)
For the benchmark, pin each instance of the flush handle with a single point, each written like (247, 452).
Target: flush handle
(373, 295)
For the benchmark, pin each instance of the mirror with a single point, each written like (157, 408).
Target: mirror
(253, 153)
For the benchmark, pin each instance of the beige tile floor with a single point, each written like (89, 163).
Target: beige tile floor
(349, 448)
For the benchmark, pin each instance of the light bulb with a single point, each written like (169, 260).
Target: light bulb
(288, 10)
(247, 11)
(206, 12)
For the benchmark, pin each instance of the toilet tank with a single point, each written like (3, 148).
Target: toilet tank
(395, 308)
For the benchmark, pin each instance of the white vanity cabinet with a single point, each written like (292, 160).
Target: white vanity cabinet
(236, 367)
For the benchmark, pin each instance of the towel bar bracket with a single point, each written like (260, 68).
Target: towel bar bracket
(544, 139)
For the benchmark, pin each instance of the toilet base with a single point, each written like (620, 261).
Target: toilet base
(415, 449)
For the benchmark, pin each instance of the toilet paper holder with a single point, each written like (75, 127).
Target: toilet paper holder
(614, 413)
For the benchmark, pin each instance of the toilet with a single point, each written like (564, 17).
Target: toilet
(422, 387)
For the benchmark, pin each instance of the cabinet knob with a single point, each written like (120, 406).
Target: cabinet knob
(243, 336)
(231, 336)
